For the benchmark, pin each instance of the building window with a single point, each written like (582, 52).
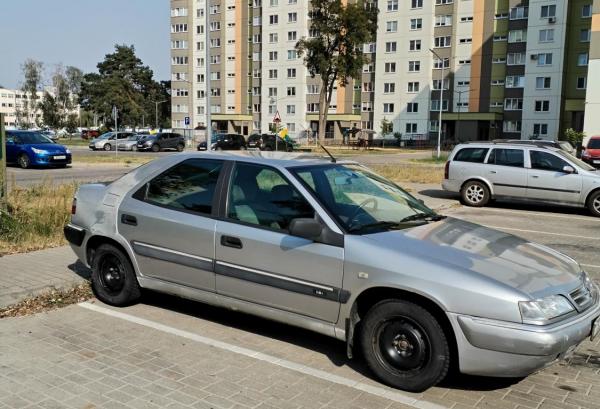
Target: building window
(273, 38)
(291, 109)
(546, 36)
(581, 82)
(272, 74)
(179, 12)
(544, 59)
(292, 55)
(442, 42)
(391, 26)
(519, 13)
(443, 63)
(540, 129)
(390, 47)
(390, 67)
(515, 81)
(499, 60)
(582, 59)
(388, 108)
(179, 28)
(436, 84)
(413, 87)
(440, 2)
(543, 82)
(585, 35)
(511, 126)
(466, 19)
(273, 19)
(291, 73)
(586, 11)
(272, 91)
(542, 106)
(367, 87)
(513, 104)
(435, 105)
(411, 128)
(414, 66)
(392, 5)
(291, 91)
(412, 107)
(463, 83)
(312, 107)
(416, 4)
(389, 87)
(548, 11)
(367, 106)
(517, 36)
(416, 23)
(272, 55)
(414, 45)
(515, 59)
(312, 89)
(292, 35)
(443, 20)
(292, 17)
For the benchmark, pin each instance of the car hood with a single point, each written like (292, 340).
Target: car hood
(528, 267)
(48, 147)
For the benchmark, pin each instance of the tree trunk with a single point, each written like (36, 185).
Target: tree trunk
(323, 108)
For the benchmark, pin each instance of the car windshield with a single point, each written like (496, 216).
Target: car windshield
(26, 138)
(361, 201)
(594, 144)
(106, 135)
(578, 162)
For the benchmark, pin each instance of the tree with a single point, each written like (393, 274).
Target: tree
(71, 123)
(50, 111)
(334, 51)
(574, 137)
(386, 127)
(32, 73)
(125, 82)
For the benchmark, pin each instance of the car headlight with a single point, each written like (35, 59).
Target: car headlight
(68, 151)
(38, 151)
(544, 310)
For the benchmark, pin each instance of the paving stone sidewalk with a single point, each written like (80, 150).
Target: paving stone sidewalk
(23, 275)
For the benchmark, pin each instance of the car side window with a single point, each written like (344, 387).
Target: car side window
(188, 186)
(475, 155)
(546, 161)
(507, 157)
(260, 195)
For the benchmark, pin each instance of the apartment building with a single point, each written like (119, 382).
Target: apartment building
(494, 68)
(592, 103)
(12, 104)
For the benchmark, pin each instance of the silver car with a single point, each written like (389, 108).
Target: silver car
(336, 249)
(130, 144)
(108, 141)
(484, 171)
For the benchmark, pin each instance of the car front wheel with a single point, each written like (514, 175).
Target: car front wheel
(404, 345)
(107, 147)
(594, 204)
(113, 279)
(24, 161)
(155, 148)
(475, 193)
(180, 147)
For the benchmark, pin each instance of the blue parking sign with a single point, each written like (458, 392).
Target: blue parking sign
(187, 120)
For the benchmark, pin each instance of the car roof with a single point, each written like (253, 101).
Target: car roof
(507, 144)
(279, 159)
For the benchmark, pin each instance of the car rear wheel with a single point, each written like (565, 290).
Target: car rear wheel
(404, 345)
(134, 148)
(107, 147)
(24, 161)
(475, 193)
(180, 147)
(155, 148)
(113, 279)
(594, 203)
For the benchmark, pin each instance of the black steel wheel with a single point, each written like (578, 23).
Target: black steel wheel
(113, 279)
(404, 345)
(24, 161)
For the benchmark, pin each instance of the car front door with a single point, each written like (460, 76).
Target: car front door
(12, 148)
(169, 223)
(257, 260)
(506, 170)
(548, 180)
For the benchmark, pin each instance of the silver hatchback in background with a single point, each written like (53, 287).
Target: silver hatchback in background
(484, 171)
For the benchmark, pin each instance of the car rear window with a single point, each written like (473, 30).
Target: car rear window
(594, 144)
(476, 155)
(507, 157)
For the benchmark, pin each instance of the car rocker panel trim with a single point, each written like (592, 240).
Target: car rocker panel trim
(537, 188)
(172, 256)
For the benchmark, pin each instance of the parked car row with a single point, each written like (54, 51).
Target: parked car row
(130, 141)
(236, 142)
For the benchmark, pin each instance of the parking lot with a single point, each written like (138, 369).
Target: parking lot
(167, 352)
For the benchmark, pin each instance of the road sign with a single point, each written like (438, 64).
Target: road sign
(277, 117)
(187, 120)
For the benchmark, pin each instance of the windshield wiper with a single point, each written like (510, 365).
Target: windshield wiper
(430, 217)
(381, 224)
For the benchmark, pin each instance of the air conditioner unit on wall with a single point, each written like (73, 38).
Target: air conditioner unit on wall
(552, 20)
(534, 56)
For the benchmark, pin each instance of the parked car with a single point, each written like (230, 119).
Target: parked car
(484, 171)
(32, 148)
(108, 141)
(269, 142)
(130, 144)
(50, 134)
(564, 145)
(224, 142)
(89, 134)
(336, 249)
(591, 153)
(161, 141)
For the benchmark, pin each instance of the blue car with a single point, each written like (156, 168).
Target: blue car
(32, 148)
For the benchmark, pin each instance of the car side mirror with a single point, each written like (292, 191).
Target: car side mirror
(10, 142)
(306, 228)
(568, 169)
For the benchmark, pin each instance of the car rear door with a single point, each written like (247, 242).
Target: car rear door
(548, 181)
(257, 260)
(169, 222)
(12, 147)
(506, 171)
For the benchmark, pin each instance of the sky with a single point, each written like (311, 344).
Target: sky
(81, 33)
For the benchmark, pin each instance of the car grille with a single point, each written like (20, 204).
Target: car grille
(582, 297)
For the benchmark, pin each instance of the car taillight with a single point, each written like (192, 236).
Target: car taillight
(447, 170)
(74, 206)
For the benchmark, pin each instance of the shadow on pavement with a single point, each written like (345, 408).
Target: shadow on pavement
(333, 349)
(81, 270)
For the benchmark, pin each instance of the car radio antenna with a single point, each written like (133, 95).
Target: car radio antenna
(333, 160)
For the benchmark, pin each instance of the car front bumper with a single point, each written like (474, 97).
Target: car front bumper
(497, 348)
(55, 159)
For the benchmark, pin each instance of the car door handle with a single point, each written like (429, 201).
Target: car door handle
(535, 176)
(229, 241)
(129, 219)
(493, 171)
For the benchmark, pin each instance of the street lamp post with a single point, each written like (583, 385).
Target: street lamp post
(441, 102)
(156, 104)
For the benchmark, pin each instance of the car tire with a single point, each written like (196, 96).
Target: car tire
(180, 147)
(107, 147)
(155, 148)
(113, 279)
(24, 161)
(594, 203)
(404, 345)
(133, 148)
(475, 193)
